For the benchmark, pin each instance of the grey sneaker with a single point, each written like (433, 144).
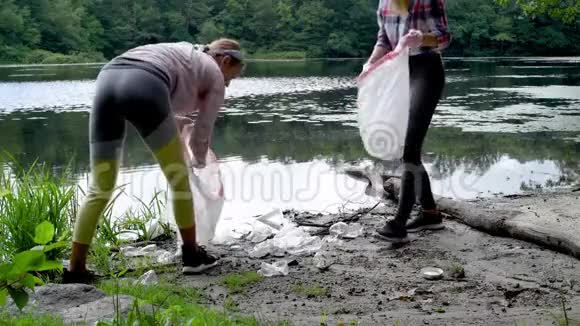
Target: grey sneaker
(425, 221)
(197, 260)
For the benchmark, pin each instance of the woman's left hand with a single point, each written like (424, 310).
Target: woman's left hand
(413, 39)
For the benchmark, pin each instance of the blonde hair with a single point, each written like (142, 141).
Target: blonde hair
(224, 44)
(225, 47)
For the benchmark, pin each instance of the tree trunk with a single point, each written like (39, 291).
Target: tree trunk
(505, 223)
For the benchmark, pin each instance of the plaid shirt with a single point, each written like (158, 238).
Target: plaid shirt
(428, 16)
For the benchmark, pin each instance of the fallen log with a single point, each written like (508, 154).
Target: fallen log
(506, 223)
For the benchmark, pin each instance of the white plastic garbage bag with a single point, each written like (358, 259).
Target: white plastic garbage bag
(279, 268)
(208, 198)
(346, 231)
(208, 194)
(149, 278)
(383, 105)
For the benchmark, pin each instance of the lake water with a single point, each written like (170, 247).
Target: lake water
(504, 126)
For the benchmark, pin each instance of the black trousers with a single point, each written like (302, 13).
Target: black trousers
(427, 82)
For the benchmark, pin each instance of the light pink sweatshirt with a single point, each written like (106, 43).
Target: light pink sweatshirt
(196, 84)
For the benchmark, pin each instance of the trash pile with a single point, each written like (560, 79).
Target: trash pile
(160, 256)
(270, 235)
(273, 235)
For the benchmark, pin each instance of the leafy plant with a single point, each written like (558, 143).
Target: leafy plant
(29, 197)
(22, 272)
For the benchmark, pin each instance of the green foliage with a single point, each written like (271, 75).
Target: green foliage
(279, 55)
(237, 283)
(567, 11)
(19, 274)
(35, 201)
(172, 305)
(64, 31)
(30, 320)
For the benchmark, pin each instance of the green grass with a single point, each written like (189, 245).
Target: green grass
(163, 294)
(179, 306)
(312, 290)
(230, 304)
(29, 197)
(563, 319)
(237, 283)
(29, 320)
(138, 220)
(457, 270)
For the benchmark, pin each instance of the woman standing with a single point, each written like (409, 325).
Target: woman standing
(153, 87)
(422, 26)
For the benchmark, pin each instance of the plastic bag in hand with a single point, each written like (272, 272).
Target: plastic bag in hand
(383, 105)
(208, 196)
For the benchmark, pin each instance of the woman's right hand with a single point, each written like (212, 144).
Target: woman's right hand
(199, 150)
(192, 148)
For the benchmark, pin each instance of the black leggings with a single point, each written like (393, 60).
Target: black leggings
(129, 95)
(427, 82)
(141, 98)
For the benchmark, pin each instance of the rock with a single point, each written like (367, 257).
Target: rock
(53, 298)
(100, 310)
(77, 303)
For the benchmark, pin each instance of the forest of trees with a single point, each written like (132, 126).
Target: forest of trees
(53, 31)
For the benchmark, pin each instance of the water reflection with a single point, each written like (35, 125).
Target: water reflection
(503, 126)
